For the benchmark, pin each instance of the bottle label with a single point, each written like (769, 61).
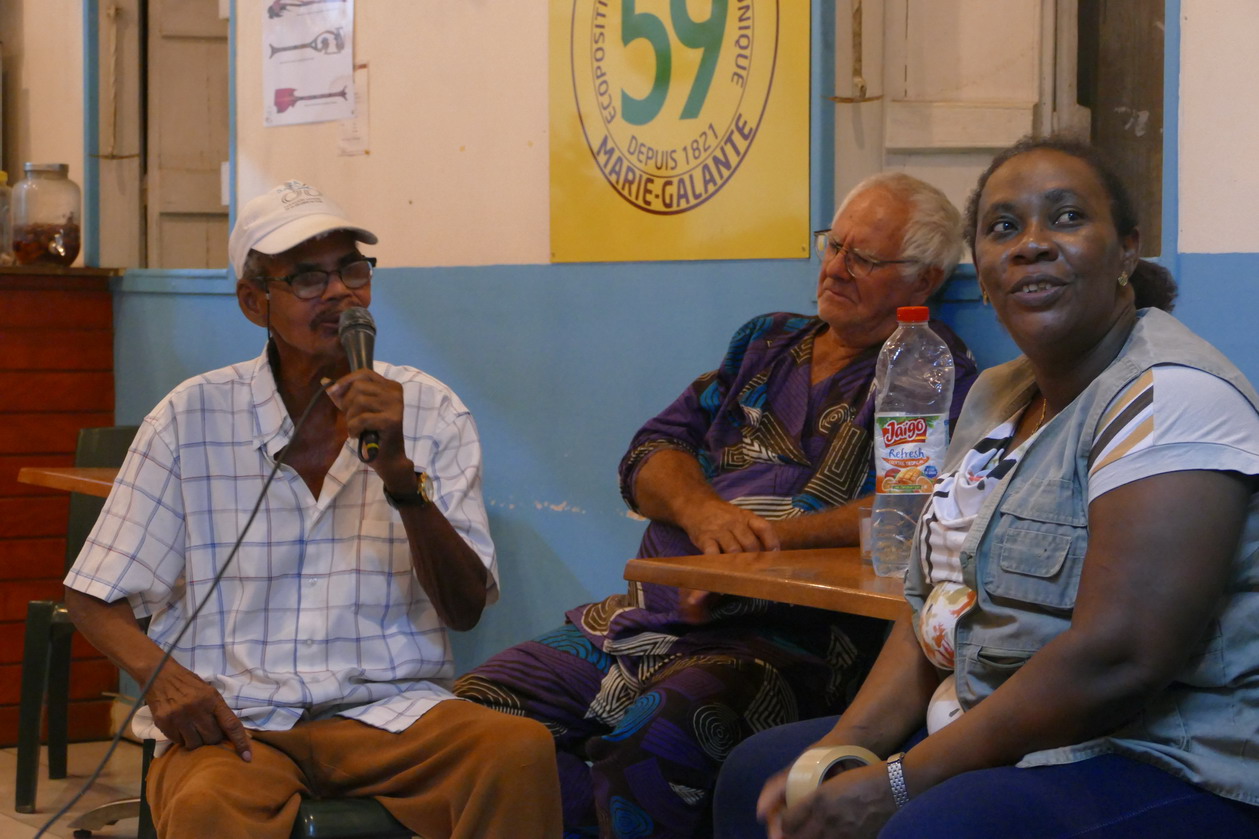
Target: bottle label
(908, 452)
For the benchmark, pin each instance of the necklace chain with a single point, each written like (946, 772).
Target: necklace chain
(1044, 404)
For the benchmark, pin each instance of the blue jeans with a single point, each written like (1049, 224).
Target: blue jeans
(1107, 796)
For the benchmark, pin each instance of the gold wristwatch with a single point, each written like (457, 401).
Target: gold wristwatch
(421, 497)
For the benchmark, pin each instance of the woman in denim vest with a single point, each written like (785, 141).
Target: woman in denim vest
(1083, 648)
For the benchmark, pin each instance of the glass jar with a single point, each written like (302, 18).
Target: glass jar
(47, 206)
(6, 220)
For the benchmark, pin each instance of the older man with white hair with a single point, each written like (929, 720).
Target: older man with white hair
(646, 693)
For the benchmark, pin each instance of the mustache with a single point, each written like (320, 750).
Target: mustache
(323, 318)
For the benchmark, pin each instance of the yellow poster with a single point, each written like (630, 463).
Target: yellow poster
(679, 129)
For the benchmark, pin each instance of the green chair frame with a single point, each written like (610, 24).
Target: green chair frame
(46, 651)
(346, 818)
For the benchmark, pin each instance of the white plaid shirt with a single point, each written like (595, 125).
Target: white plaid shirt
(320, 612)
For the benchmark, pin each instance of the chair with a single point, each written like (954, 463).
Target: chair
(346, 818)
(326, 818)
(45, 678)
(46, 654)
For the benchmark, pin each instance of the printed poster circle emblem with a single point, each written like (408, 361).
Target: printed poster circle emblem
(671, 93)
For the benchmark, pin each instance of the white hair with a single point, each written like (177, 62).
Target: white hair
(933, 234)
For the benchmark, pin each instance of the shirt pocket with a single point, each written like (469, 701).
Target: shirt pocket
(383, 580)
(1038, 545)
(982, 669)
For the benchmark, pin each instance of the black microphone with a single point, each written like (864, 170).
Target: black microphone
(357, 331)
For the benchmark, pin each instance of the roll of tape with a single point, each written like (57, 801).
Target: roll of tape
(812, 767)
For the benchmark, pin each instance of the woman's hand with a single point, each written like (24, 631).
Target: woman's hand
(771, 803)
(854, 804)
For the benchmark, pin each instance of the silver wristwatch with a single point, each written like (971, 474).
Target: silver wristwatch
(896, 777)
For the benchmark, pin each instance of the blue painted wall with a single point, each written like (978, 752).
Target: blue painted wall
(1219, 299)
(559, 365)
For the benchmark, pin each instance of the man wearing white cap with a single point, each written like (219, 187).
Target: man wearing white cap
(319, 663)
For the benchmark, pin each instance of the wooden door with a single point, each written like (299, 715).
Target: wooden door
(935, 87)
(187, 134)
(946, 83)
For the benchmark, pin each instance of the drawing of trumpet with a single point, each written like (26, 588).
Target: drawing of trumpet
(328, 42)
(279, 7)
(286, 97)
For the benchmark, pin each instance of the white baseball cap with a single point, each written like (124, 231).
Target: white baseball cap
(284, 217)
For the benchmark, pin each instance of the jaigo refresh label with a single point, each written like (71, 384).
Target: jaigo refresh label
(908, 451)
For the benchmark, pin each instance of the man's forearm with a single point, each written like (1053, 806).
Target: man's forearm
(892, 702)
(112, 628)
(669, 484)
(185, 707)
(837, 527)
(452, 574)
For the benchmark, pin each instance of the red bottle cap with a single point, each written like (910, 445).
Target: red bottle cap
(913, 314)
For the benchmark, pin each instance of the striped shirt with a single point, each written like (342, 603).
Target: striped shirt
(320, 613)
(1171, 418)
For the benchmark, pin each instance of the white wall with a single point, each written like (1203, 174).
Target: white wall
(458, 93)
(43, 84)
(458, 173)
(460, 89)
(1219, 126)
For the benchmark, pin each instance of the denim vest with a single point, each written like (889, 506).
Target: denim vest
(1025, 551)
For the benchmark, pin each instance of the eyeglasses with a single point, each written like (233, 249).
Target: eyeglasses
(856, 264)
(307, 285)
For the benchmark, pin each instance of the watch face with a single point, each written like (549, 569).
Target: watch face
(424, 485)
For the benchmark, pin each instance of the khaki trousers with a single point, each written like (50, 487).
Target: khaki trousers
(460, 771)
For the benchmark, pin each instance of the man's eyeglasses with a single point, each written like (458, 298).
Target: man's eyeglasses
(856, 264)
(307, 285)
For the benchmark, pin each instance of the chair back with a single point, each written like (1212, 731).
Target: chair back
(105, 446)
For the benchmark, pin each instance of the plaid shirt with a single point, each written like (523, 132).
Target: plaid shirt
(320, 612)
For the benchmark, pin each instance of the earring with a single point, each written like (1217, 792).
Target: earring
(1123, 279)
(983, 293)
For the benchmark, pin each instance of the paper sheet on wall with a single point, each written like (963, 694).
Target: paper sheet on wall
(308, 61)
(354, 140)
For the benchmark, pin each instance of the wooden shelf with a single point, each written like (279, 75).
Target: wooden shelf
(56, 371)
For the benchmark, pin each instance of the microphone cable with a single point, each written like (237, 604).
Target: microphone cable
(166, 656)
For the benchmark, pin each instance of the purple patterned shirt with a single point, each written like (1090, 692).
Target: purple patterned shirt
(768, 439)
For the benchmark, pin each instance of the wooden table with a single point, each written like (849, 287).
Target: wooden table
(829, 578)
(87, 480)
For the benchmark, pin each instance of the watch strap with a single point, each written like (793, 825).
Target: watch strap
(896, 777)
(419, 497)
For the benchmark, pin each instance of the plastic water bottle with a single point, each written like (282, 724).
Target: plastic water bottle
(913, 389)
